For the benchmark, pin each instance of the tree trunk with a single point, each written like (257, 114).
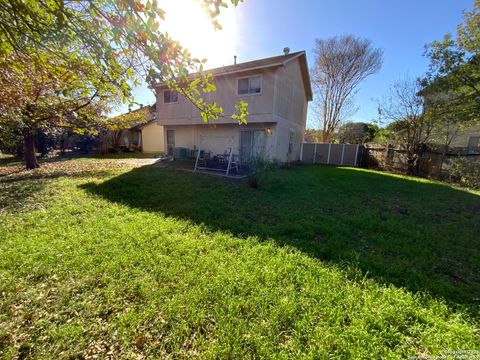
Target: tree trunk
(412, 163)
(325, 137)
(410, 166)
(30, 155)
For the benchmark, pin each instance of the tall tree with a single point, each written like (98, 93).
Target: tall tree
(404, 108)
(43, 91)
(341, 64)
(57, 57)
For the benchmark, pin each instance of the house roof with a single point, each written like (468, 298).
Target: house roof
(138, 118)
(270, 62)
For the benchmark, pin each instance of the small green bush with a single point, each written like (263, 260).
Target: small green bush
(258, 167)
(466, 173)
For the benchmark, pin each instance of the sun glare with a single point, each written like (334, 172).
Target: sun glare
(187, 22)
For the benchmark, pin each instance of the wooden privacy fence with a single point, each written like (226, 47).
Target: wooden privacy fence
(431, 163)
(331, 154)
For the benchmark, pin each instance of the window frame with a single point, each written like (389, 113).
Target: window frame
(251, 145)
(249, 77)
(171, 91)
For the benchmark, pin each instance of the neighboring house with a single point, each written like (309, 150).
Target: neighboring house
(466, 138)
(141, 132)
(277, 91)
(463, 135)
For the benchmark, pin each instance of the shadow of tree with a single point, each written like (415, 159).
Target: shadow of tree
(21, 188)
(419, 235)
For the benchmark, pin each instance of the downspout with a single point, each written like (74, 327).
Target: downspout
(274, 112)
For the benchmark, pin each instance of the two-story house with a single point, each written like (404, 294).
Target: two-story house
(277, 90)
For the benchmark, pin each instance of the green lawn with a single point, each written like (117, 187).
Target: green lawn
(98, 258)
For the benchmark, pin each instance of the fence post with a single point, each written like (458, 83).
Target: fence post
(301, 152)
(343, 154)
(356, 155)
(328, 157)
(314, 152)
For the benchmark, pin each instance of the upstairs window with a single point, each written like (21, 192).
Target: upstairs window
(170, 96)
(250, 85)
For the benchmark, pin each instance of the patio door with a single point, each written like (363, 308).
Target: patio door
(170, 142)
(252, 144)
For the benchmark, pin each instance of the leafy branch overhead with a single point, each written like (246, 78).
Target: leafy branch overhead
(132, 118)
(195, 91)
(58, 57)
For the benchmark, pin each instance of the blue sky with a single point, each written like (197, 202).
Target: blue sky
(401, 28)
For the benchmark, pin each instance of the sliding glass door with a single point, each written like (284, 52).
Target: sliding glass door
(252, 144)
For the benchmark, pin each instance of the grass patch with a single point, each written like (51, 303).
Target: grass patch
(320, 262)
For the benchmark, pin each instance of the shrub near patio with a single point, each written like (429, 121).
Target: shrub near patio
(318, 262)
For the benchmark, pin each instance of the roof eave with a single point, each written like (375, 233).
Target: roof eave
(232, 72)
(305, 73)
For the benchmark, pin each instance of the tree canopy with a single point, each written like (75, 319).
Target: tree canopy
(356, 133)
(58, 57)
(452, 84)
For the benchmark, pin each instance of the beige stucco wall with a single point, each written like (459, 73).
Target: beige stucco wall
(153, 140)
(218, 139)
(260, 106)
(290, 100)
(290, 110)
(282, 106)
(282, 134)
(461, 138)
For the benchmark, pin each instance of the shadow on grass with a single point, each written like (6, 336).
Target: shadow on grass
(20, 188)
(419, 235)
(127, 155)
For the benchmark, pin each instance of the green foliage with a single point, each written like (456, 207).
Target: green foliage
(241, 112)
(465, 173)
(57, 58)
(106, 260)
(132, 118)
(356, 133)
(384, 136)
(258, 170)
(452, 85)
(11, 138)
(313, 135)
